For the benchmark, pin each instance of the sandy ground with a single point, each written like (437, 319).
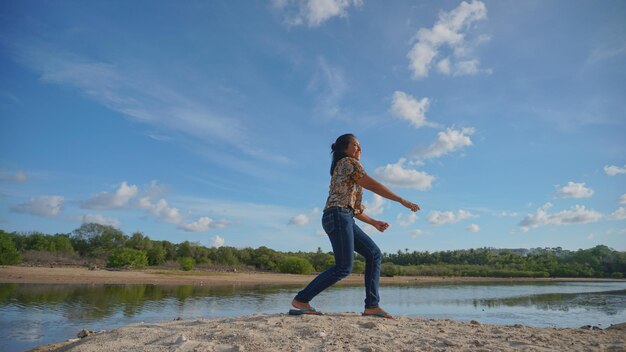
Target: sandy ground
(80, 275)
(341, 332)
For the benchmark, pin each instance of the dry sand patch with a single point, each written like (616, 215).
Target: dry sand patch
(342, 332)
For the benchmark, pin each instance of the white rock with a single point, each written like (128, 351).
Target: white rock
(182, 339)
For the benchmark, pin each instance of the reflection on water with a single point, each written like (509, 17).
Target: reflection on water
(93, 302)
(32, 315)
(610, 303)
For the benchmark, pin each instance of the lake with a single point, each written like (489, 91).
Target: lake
(33, 314)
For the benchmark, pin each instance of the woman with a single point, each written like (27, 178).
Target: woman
(343, 205)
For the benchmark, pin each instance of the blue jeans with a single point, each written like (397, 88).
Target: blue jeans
(346, 237)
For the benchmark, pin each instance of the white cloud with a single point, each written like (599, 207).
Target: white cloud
(619, 214)
(405, 220)
(420, 58)
(299, 220)
(106, 201)
(240, 212)
(99, 219)
(577, 215)
(614, 170)
(467, 68)
(20, 176)
(329, 84)
(367, 228)
(203, 224)
(377, 206)
(397, 175)
(154, 189)
(448, 217)
(574, 190)
(218, 241)
(158, 136)
(17, 176)
(143, 97)
(143, 101)
(447, 142)
(473, 228)
(448, 31)
(48, 206)
(443, 66)
(161, 210)
(314, 12)
(303, 219)
(507, 214)
(406, 107)
(613, 232)
(200, 225)
(417, 233)
(622, 199)
(607, 52)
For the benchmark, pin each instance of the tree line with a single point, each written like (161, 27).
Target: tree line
(99, 243)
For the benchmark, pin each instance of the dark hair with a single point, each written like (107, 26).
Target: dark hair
(339, 149)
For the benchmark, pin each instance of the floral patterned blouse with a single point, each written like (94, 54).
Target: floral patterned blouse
(344, 191)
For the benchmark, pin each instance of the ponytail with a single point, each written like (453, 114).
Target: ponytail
(339, 149)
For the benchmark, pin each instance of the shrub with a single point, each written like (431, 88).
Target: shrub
(389, 269)
(156, 255)
(358, 267)
(186, 263)
(203, 260)
(8, 253)
(127, 257)
(295, 265)
(617, 275)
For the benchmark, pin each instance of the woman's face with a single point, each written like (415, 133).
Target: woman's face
(354, 149)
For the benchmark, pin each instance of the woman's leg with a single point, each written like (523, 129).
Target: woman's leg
(338, 224)
(366, 247)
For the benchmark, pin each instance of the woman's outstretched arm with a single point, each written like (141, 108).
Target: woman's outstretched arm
(379, 225)
(371, 184)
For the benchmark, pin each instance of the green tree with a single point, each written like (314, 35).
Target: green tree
(295, 265)
(120, 257)
(62, 244)
(245, 255)
(266, 259)
(139, 241)
(358, 267)
(97, 240)
(227, 256)
(157, 254)
(320, 260)
(389, 269)
(170, 250)
(9, 254)
(39, 242)
(186, 263)
(185, 249)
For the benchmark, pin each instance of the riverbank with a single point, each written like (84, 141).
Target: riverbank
(341, 332)
(81, 275)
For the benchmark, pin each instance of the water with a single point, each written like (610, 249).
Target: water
(33, 315)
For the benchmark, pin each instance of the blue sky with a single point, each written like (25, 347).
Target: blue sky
(211, 121)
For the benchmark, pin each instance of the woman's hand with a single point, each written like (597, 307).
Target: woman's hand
(380, 225)
(412, 206)
(371, 184)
